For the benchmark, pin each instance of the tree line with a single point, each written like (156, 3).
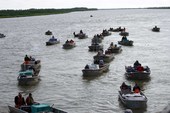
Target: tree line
(36, 12)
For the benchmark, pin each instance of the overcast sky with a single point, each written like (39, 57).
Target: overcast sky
(27, 4)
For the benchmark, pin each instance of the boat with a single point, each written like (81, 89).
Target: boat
(134, 73)
(105, 57)
(156, 29)
(105, 33)
(29, 73)
(97, 39)
(115, 49)
(124, 33)
(35, 108)
(119, 29)
(48, 32)
(132, 100)
(2, 35)
(95, 69)
(52, 41)
(95, 47)
(126, 42)
(69, 44)
(80, 35)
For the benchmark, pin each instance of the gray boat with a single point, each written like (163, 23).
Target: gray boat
(29, 73)
(95, 70)
(132, 100)
(132, 73)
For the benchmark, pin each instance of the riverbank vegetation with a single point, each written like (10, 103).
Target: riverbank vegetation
(37, 12)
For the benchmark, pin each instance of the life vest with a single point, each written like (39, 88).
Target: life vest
(137, 90)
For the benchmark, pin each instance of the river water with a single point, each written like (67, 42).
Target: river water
(62, 83)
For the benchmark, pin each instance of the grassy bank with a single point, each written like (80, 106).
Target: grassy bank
(36, 12)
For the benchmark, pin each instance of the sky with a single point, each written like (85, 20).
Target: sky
(100, 4)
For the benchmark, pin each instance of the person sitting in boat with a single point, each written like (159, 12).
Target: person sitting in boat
(101, 63)
(81, 32)
(140, 68)
(87, 66)
(19, 100)
(32, 59)
(136, 88)
(26, 59)
(124, 38)
(67, 41)
(124, 86)
(108, 51)
(71, 41)
(30, 100)
(136, 64)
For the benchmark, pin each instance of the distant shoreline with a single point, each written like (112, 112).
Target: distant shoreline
(39, 12)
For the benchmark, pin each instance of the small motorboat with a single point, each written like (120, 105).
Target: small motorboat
(95, 69)
(48, 32)
(119, 29)
(126, 42)
(124, 33)
(96, 39)
(69, 44)
(29, 73)
(133, 100)
(105, 33)
(115, 49)
(52, 41)
(95, 47)
(35, 108)
(105, 57)
(140, 73)
(156, 29)
(2, 35)
(80, 35)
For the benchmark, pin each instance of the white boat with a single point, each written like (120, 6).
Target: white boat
(29, 73)
(94, 70)
(37, 108)
(132, 73)
(133, 100)
(69, 44)
(52, 41)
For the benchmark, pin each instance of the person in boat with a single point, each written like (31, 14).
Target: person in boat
(136, 88)
(71, 41)
(124, 38)
(19, 100)
(156, 27)
(139, 68)
(111, 45)
(136, 64)
(81, 32)
(31, 58)
(26, 59)
(67, 41)
(87, 66)
(101, 63)
(124, 86)
(30, 100)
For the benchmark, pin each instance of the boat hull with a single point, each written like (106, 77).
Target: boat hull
(28, 81)
(52, 43)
